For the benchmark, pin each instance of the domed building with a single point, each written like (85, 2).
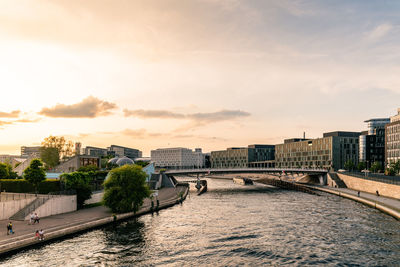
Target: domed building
(113, 160)
(124, 161)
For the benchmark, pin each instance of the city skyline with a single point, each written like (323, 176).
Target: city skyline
(210, 74)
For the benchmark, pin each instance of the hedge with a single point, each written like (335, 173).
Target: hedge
(22, 186)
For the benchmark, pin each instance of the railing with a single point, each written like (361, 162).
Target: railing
(376, 177)
(205, 170)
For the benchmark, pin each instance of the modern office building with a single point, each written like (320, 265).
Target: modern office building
(372, 142)
(330, 152)
(178, 157)
(241, 157)
(392, 139)
(121, 151)
(95, 151)
(27, 151)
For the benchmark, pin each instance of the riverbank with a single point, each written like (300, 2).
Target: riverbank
(62, 225)
(387, 205)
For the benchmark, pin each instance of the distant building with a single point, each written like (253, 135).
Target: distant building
(241, 157)
(27, 151)
(95, 151)
(178, 158)
(372, 142)
(121, 151)
(330, 152)
(392, 139)
(74, 163)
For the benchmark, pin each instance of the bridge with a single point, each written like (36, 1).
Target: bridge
(318, 174)
(288, 171)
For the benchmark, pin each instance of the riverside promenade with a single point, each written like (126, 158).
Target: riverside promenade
(59, 226)
(387, 205)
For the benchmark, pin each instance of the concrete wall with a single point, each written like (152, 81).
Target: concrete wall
(56, 205)
(96, 198)
(9, 208)
(388, 190)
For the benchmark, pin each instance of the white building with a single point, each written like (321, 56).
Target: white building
(178, 157)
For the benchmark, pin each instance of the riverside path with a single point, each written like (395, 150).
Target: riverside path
(60, 225)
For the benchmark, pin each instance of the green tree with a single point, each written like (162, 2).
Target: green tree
(4, 171)
(35, 173)
(80, 182)
(349, 165)
(141, 163)
(88, 168)
(376, 167)
(361, 166)
(64, 147)
(125, 189)
(50, 156)
(395, 166)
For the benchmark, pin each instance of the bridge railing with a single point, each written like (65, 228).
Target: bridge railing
(220, 170)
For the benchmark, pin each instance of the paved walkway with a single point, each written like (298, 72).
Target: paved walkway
(62, 221)
(388, 202)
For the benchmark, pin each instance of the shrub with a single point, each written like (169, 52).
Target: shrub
(23, 186)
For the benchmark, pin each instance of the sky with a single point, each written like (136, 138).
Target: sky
(201, 73)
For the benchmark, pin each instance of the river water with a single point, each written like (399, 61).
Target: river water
(234, 225)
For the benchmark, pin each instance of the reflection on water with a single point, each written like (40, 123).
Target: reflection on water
(235, 225)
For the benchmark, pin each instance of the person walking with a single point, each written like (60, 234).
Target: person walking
(32, 218)
(358, 193)
(36, 218)
(10, 229)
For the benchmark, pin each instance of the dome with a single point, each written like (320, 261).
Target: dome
(124, 161)
(113, 160)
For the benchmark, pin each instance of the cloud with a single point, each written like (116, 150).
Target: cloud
(161, 114)
(2, 123)
(379, 31)
(197, 117)
(89, 107)
(12, 114)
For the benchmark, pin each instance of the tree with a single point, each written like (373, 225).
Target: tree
(50, 156)
(141, 163)
(88, 168)
(64, 147)
(376, 167)
(3, 171)
(361, 166)
(125, 189)
(349, 165)
(80, 182)
(35, 173)
(395, 166)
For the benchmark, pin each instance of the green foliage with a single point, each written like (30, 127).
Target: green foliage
(141, 163)
(6, 171)
(376, 167)
(361, 166)
(80, 182)
(35, 174)
(88, 168)
(390, 172)
(395, 166)
(111, 166)
(23, 186)
(126, 189)
(349, 165)
(63, 146)
(50, 156)
(103, 163)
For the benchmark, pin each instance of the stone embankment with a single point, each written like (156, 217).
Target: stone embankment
(387, 205)
(60, 226)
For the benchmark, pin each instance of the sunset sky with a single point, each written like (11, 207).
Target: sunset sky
(211, 74)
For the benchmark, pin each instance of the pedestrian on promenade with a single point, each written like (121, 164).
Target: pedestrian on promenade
(36, 218)
(37, 236)
(32, 218)
(41, 234)
(377, 193)
(358, 193)
(9, 229)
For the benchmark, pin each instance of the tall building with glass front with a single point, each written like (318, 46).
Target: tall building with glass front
(392, 139)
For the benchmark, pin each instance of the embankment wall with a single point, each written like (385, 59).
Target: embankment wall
(56, 205)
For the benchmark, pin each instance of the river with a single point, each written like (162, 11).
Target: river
(234, 225)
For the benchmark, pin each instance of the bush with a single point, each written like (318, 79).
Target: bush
(79, 181)
(23, 186)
